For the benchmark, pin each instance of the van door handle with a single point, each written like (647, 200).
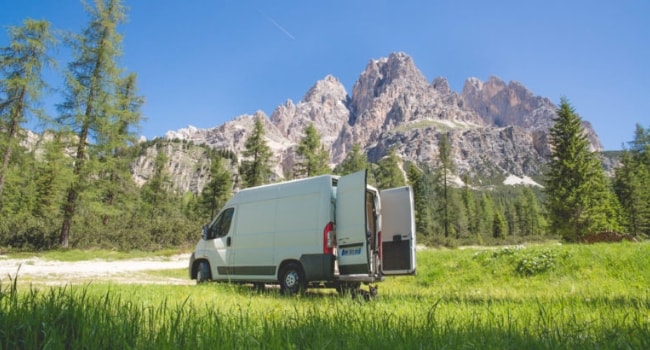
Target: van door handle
(228, 242)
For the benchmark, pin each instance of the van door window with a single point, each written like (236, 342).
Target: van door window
(221, 226)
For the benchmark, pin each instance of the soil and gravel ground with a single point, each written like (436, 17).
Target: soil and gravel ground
(51, 272)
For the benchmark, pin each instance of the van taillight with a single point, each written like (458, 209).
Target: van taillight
(328, 238)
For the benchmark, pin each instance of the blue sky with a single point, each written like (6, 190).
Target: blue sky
(204, 62)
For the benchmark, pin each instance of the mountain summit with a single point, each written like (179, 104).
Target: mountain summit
(495, 128)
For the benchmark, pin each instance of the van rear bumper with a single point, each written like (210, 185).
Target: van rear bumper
(360, 278)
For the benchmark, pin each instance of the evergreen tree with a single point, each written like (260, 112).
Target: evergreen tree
(499, 225)
(388, 173)
(354, 161)
(531, 217)
(218, 190)
(91, 85)
(578, 198)
(255, 168)
(640, 146)
(21, 84)
(469, 206)
(485, 213)
(632, 184)
(52, 176)
(421, 198)
(155, 193)
(115, 180)
(510, 217)
(445, 170)
(458, 220)
(312, 158)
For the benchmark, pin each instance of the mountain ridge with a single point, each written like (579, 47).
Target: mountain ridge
(494, 127)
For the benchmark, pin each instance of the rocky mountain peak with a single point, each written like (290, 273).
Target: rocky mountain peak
(441, 85)
(328, 91)
(501, 104)
(386, 78)
(495, 127)
(512, 104)
(325, 106)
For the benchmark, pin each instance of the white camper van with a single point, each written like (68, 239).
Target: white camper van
(325, 231)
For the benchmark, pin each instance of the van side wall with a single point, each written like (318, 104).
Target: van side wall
(279, 223)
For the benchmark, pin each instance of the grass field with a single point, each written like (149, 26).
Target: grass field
(541, 297)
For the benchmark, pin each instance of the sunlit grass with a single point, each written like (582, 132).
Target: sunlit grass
(569, 297)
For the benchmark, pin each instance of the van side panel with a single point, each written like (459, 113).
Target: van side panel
(253, 243)
(297, 225)
(299, 231)
(278, 223)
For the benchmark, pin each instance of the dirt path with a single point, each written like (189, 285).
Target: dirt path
(52, 272)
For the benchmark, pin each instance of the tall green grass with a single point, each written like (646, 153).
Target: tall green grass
(578, 297)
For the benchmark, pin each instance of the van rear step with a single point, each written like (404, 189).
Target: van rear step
(359, 278)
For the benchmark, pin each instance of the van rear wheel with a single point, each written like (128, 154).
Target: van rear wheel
(292, 279)
(203, 274)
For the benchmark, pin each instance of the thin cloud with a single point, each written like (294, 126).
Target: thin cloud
(277, 25)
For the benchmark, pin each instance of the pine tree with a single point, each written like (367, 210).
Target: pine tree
(469, 206)
(21, 86)
(155, 193)
(52, 176)
(499, 225)
(216, 192)
(534, 221)
(255, 169)
(445, 170)
(312, 158)
(485, 213)
(92, 83)
(389, 174)
(354, 161)
(115, 180)
(632, 184)
(578, 198)
(421, 198)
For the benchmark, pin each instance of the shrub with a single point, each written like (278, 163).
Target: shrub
(534, 263)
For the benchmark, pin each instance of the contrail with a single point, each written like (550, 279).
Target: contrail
(277, 25)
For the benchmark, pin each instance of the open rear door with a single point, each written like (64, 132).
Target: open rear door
(398, 231)
(352, 243)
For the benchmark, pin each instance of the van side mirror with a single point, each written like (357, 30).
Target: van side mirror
(204, 232)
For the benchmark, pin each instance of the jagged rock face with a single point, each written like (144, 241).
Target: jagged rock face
(502, 105)
(325, 106)
(392, 92)
(189, 168)
(494, 127)
(476, 151)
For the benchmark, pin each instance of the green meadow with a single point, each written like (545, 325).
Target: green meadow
(549, 296)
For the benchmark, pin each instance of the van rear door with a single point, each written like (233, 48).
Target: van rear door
(352, 242)
(398, 231)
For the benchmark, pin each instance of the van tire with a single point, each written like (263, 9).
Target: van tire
(203, 273)
(292, 279)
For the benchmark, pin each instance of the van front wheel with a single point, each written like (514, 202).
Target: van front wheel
(292, 279)
(203, 274)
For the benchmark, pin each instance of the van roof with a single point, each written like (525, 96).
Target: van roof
(285, 188)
